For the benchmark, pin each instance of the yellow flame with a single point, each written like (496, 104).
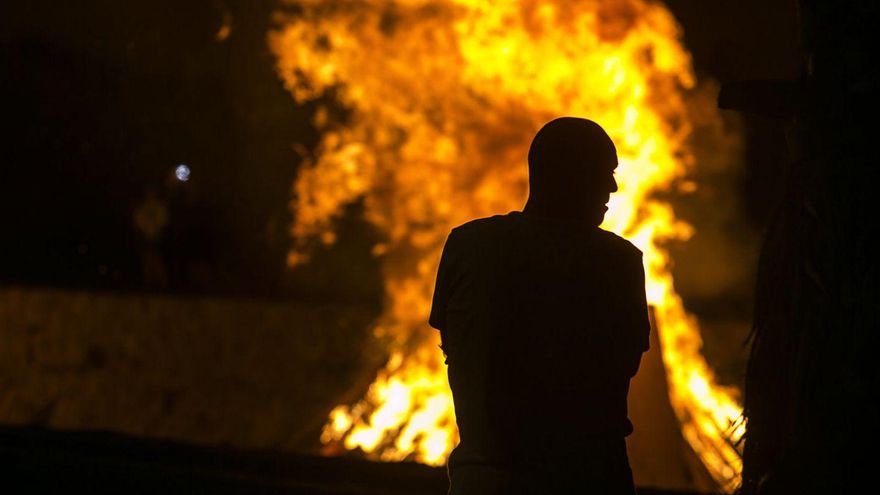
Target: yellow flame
(441, 100)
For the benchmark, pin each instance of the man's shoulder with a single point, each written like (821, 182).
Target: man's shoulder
(479, 228)
(619, 244)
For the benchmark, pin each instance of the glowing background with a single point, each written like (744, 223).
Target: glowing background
(441, 100)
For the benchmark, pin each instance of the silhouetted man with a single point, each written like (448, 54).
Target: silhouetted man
(543, 321)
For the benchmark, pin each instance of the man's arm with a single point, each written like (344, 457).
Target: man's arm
(448, 276)
(638, 325)
(640, 302)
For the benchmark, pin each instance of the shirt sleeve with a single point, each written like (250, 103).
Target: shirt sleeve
(636, 325)
(639, 304)
(444, 285)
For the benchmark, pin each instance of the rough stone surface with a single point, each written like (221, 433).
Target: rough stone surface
(243, 373)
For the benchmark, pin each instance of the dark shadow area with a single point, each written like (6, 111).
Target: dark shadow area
(102, 462)
(811, 378)
(149, 146)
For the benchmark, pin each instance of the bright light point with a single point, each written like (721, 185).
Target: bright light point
(182, 172)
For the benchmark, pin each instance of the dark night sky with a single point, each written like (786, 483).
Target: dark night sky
(101, 100)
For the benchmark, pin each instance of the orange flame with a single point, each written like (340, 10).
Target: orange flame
(441, 102)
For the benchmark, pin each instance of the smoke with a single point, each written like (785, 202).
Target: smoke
(717, 263)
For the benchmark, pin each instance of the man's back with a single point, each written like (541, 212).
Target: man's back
(543, 322)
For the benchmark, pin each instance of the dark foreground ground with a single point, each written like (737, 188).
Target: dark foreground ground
(35, 460)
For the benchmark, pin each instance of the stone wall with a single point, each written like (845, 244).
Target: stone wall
(243, 373)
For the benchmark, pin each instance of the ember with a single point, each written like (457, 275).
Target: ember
(442, 99)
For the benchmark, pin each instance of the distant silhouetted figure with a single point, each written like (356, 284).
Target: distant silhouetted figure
(543, 322)
(150, 219)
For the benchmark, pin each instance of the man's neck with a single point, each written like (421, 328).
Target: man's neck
(544, 209)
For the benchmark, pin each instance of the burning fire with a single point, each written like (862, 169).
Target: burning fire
(435, 104)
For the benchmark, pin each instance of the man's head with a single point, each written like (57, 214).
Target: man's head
(571, 169)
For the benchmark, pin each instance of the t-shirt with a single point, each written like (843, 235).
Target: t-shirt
(543, 322)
